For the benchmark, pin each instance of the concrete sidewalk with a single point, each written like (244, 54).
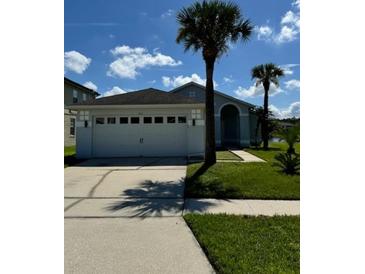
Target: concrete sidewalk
(247, 157)
(242, 207)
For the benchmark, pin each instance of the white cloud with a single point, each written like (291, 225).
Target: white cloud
(182, 80)
(296, 4)
(130, 60)
(290, 18)
(287, 34)
(76, 62)
(263, 32)
(254, 91)
(292, 84)
(152, 82)
(292, 111)
(289, 28)
(228, 79)
(90, 85)
(288, 68)
(114, 91)
(168, 13)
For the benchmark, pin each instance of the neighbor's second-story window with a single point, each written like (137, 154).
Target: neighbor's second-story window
(83, 97)
(192, 94)
(74, 96)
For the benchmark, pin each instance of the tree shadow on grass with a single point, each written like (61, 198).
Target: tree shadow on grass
(154, 198)
(199, 187)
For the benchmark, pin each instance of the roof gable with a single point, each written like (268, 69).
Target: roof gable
(215, 91)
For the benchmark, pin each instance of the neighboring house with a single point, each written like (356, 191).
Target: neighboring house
(73, 93)
(153, 122)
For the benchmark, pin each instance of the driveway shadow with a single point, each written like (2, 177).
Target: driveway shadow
(134, 161)
(154, 198)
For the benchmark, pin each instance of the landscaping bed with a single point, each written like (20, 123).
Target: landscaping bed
(248, 244)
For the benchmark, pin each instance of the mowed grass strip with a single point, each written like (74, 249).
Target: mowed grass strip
(274, 148)
(243, 180)
(248, 244)
(227, 155)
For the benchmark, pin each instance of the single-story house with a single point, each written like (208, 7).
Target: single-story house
(152, 122)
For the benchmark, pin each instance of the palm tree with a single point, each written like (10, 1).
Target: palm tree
(259, 112)
(266, 74)
(211, 26)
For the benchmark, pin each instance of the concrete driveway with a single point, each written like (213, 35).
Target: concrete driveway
(124, 216)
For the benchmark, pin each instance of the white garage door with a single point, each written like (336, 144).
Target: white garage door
(134, 136)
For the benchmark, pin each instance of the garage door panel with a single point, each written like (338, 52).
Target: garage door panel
(164, 140)
(134, 140)
(116, 141)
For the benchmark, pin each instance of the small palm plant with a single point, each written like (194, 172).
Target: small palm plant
(290, 136)
(211, 26)
(265, 75)
(289, 162)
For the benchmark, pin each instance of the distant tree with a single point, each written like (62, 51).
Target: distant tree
(211, 26)
(265, 75)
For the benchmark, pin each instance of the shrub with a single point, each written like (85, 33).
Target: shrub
(288, 162)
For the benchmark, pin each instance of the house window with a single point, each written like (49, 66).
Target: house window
(181, 120)
(111, 120)
(171, 119)
(72, 126)
(74, 96)
(159, 120)
(83, 97)
(99, 120)
(123, 120)
(134, 120)
(192, 94)
(147, 120)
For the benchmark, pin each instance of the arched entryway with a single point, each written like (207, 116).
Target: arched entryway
(230, 126)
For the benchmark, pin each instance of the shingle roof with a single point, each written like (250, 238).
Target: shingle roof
(148, 96)
(215, 91)
(83, 88)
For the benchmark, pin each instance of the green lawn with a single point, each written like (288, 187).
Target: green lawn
(242, 244)
(70, 151)
(227, 155)
(243, 180)
(274, 148)
(70, 156)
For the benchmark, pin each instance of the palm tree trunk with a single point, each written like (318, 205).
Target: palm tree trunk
(265, 122)
(210, 157)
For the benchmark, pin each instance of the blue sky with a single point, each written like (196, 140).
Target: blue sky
(120, 46)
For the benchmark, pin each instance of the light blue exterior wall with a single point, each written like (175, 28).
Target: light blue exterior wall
(247, 120)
